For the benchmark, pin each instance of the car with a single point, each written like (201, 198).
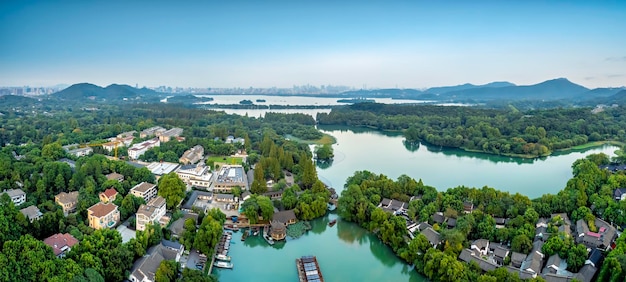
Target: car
(202, 255)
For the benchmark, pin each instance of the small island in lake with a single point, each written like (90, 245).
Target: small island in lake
(356, 100)
(260, 100)
(245, 102)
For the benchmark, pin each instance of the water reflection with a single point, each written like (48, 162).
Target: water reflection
(382, 252)
(324, 164)
(411, 146)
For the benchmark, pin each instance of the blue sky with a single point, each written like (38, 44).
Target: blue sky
(409, 44)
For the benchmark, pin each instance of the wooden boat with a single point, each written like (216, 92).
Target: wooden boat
(244, 235)
(332, 222)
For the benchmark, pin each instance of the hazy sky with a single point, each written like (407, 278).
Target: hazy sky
(283, 43)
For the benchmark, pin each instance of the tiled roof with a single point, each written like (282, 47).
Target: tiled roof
(100, 209)
(110, 192)
(59, 241)
(65, 198)
(143, 187)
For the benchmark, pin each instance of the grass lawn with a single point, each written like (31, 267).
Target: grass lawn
(226, 160)
(325, 140)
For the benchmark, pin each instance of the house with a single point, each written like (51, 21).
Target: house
(67, 201)
(601, 239)
(115, 176)
(595, 258)
(167, 135)
(581, 229)
(144, 269)
(481, 246)
(438, 217)
(393, 206)
(451, 223)
(278, 231)
(613, 167)
(619, 194)
(103, 215)
(586, 273)
(193, 155)
(198, 199)
(468, 206)
(17, 196)
(287, 217)
(61, 243)
(228, 177)
(80, 152)
(152, 131)
(468, 256)
(274, 195)
(533, 263)
(245, 195)
(500, 222)
(177, 227)
(153, 211)
(197, 175)
(146, 191)
(433, 236)
(135, 151)
(500, 253)
(553, 265)
(126, 134)
(32, 213)
(108, 195)
(227, 198)
(517, 259)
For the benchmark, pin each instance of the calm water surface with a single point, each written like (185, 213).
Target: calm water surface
(345, 252)
(362, 149)
(293, 100)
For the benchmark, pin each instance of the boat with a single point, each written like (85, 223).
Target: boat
(222, 257)
(231, 227)
(332, 222)
(266, 236)
(245, 235)
(256, 232)
(223, 264)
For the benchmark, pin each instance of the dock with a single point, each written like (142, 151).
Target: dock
(309, 269)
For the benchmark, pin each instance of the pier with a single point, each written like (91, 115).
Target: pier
(309, 269)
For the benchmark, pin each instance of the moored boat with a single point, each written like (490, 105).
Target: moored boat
(223, 264)
(332, 222)
(222, 257)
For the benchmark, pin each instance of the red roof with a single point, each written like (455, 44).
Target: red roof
(110, 192)
(59, 242)
(593, 234)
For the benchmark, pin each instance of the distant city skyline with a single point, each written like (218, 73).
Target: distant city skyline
(404, 44)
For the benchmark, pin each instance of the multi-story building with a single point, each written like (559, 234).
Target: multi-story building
(67, 201)
(153, 211)
(146, 191)
(145, 268)
(17, 196)
(32, 213)
(135, 151)
(228, 177)
(108, 195)
(103, 216)
(152, 131)
(192, 155)
(198, 175)
(60, 243)
(166, 136)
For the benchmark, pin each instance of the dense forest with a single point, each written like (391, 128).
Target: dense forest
(503, 132)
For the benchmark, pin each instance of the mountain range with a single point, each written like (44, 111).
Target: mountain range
(113, 92)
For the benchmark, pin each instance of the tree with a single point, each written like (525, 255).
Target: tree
(576, 257)
(324, 152)
(192, 275)
(309, 174)
(167, 271)
(172, 189)
(521, 244)
(52, 151)
(189, 233)
(259, 186)
(208, 235)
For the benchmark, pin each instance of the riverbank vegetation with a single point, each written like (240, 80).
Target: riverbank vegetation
(531, 133)
(587, 195)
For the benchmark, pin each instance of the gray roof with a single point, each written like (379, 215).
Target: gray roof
(517, 258)
(438, 217)
(501, 252)
(14, 192)
(554, 261)
(285, 216)
(433, 236)
(147, 265)
(193, 197)
(619, 192)
(451, 222)
(468, 256)
(481, 244)
(586, 273)
(225, 196)
(177, 226)
(423, 226)
(551, 277)
(31, 212)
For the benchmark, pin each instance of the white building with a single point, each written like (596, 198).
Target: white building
(17, 196)
(198, 175)
(146, 191)
(139, 149)
(153, 211)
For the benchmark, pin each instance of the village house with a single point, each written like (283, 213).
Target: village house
(144, 269)
(438, 218)
(393, 206)
(67, 201)
(468, 206)
(167, 135)
(193, 155)
(228, 177)
(60, 243)
(274, 195)
(152, 131)
(153, 211)
(469, 256)
(115, 176)
(517, 259)
(17, 196)
(32, 213)
(245, 195)
(135, 151)
(499, 252)
(108, 195)
(196, 175)
(232, 140)
(287, 217)
(481, 246)
(619, 194)
(103, 216)
(451, 223)
(197, 199)
(433, 236)
(146, 191)
(601, 239)
(225, 198)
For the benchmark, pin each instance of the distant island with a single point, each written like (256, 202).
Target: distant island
(245, 102)
(188, 99)
(356, 100)
(260, 100)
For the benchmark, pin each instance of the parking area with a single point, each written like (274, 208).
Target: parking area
(126, 233)
(194, 260)
(227, 208)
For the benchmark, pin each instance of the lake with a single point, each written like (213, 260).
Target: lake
(293, 100)
(345, 252)
(385, 152)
